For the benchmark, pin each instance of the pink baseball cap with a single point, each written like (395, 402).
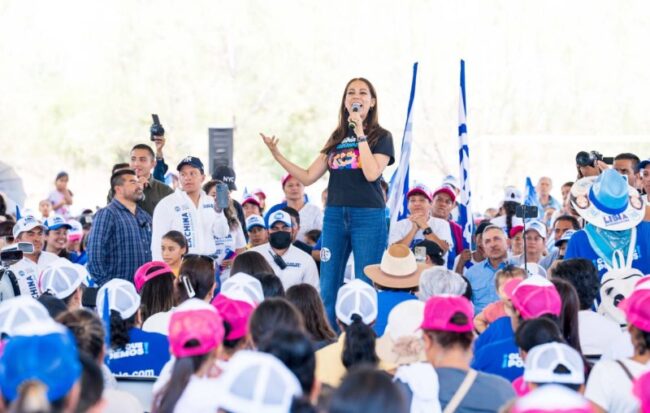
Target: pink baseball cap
(419, 190)
(516, 230)
(635, 306)
(149, 271)
(195, 320)
(234, 312)
(533, 297)
(445, 190)
(251, 199)
(285, 179)
(259, 193)
(440, 309)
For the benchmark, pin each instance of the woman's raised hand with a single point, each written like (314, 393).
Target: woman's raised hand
(272, 143)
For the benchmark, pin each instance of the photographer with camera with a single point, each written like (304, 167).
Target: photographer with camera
(591, 163)
(30, 230)
(142, 161)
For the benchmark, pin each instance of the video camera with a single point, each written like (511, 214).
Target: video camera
(590, 158)
(9, 256)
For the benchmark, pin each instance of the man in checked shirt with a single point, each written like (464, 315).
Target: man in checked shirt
(120, 238)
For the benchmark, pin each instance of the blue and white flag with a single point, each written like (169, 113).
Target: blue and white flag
(531, 194)
(399, 182)
(465, 218)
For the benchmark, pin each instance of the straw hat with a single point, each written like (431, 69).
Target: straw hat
(398, 268)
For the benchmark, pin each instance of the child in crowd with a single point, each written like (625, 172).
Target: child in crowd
(174, 247)
(497, 309)
(61, 197)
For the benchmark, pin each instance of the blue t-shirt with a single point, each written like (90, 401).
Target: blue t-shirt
(144, 355)
(499, 329)
(579, 247)
(386, 301)
(501, 358)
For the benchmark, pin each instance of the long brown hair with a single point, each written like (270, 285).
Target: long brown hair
(371, 124)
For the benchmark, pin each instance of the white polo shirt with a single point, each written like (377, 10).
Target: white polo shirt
(440, 228)
(200, 225)
(301, 268)
(27, 272)
(311, 217)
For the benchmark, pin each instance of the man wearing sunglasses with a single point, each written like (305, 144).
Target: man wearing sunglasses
(292, 265)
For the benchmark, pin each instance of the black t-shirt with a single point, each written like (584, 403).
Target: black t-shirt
(347, 186)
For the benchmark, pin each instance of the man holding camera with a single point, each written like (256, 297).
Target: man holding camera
(30, 230)
(142, 161)
(292, 265)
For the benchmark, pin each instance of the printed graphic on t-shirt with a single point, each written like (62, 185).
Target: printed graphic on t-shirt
(345, 155)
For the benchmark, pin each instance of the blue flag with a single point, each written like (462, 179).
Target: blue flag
(531, 194)
(399, 182)
(465, 219)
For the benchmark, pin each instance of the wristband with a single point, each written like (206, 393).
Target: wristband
(427, 231)
(362, 138)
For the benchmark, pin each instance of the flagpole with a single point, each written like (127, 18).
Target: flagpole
(399, 182)
(465, 217)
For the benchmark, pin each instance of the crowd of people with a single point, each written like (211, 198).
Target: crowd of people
(254, 307)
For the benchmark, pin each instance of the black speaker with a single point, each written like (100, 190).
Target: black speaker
(220, 147)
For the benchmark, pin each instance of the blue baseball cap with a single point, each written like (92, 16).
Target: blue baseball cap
(565, 237)
(193, 161)
(55, 222)
(254, 221)
(44, 351)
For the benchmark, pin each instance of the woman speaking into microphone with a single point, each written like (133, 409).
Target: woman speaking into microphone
(356, 154)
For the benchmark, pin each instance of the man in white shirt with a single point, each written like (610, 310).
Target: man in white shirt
(289, 263)
(27, 270)
(190, 211)
(420, 225)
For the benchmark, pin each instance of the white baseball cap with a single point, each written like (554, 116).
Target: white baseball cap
(122, 297)
(356, 297)
(61, 278)
(538, 227)
(513, 194)
(280, 216)
(26, 224)
(243, 287)
(402, 340)
(554, 363)
(254, 221)
(256, 382)
(20, 310)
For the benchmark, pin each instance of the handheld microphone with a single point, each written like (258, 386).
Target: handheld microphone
(355, 108)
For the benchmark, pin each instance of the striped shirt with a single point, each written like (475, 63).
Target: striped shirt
(119, 242)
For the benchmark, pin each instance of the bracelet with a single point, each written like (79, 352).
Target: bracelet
(362, 138)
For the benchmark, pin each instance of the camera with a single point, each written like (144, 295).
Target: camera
(156, 128)
(584, 158)
(526, 211)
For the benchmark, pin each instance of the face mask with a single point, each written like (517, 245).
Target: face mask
(280, 240)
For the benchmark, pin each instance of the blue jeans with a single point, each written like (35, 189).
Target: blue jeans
(348, 229)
